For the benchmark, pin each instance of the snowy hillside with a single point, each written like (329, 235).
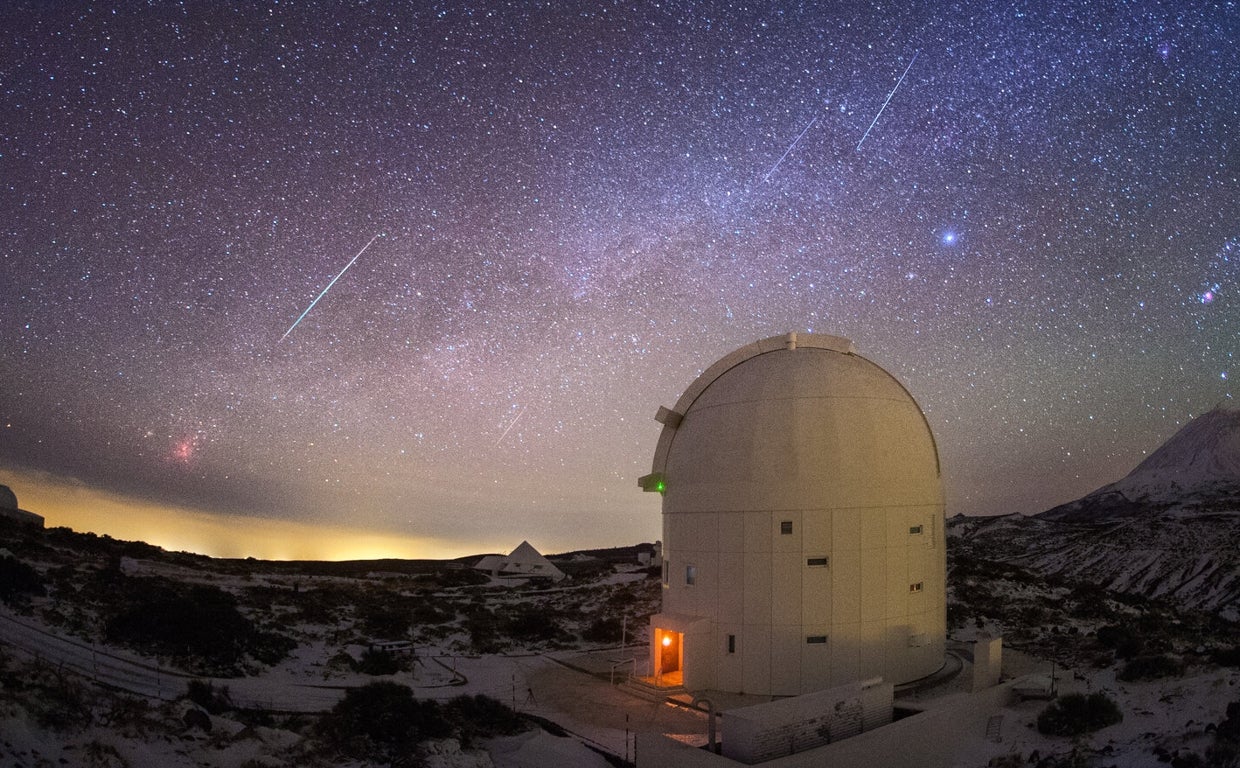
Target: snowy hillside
(1167, 530)
(1200, 463)
(1190, 558)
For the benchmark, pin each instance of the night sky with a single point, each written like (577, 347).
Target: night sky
(578, 207)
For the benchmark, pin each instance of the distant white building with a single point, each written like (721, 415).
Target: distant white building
(802, 525)
(653, 558)
(10, 510)
(522, 562)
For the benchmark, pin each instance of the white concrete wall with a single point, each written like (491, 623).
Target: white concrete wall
(765, 731)
(772, 600)
(931, 739)
(987, 662)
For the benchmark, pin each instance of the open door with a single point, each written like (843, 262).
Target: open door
(669, 656)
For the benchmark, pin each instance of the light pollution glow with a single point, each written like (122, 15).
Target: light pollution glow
(72, 505)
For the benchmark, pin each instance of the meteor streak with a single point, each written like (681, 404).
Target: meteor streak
(328, 288)
(884, 106)
(510, 426)
(787, 151)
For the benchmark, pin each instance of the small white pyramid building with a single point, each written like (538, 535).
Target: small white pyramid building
(524, 561)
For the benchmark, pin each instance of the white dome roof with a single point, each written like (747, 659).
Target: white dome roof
(795, 422)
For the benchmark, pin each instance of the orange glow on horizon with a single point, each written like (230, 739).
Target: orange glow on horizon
(85, 509)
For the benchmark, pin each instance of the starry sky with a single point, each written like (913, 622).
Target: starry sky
(1029, 212)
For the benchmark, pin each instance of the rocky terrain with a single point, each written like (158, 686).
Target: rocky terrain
(1168, 530)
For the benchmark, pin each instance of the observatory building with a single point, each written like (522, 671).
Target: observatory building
(10, 511)
(803, 527)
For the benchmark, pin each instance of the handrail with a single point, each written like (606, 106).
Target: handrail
(618, 662)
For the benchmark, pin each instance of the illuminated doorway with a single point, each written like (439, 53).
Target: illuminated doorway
(670, 657)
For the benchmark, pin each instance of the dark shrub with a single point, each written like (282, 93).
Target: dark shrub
(199, 624)
(479, 716)
(378, 663)
(381, 721)
(1229, 729)
(427, 612)
(604, 630)
(1225, 751)
(203, 623)
(461, 577)
(128, 715)
(204, 694)
(384, 621)
(482, 627)
(1227, 657)
(1089, 601)
(957, 616)
(1150, 668)
(1123, 640)
(270, 647)
(1076, 713)
(63, 706)
(18, 581)
(1187, 760)
(1223, 754)
(530, 623)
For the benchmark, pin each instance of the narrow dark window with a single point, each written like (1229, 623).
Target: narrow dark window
(816, 562)
(914, 530)
(816, 639)
(731, 643)
(666, 571)
(691, 574)
(785, 527)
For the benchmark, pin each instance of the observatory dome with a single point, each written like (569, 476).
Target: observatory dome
(802, 524)
(8, 500)
(809, 424)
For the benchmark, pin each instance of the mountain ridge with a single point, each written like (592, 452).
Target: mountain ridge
(1167, 530)
(1199, 464)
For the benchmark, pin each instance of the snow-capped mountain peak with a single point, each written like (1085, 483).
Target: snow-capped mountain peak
(1203, 456)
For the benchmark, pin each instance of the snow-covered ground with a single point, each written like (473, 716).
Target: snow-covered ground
(50, 652)
(68, 698)
(594, 712)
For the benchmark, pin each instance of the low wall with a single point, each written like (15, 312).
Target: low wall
(931, 739)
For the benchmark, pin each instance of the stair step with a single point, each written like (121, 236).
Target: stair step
(652, 692)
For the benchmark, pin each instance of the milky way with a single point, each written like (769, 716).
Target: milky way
(581, 207)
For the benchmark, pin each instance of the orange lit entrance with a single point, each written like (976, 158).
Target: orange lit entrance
(668, 670)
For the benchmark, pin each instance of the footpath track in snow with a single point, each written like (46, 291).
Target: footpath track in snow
(593, 711)
(144, 677)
